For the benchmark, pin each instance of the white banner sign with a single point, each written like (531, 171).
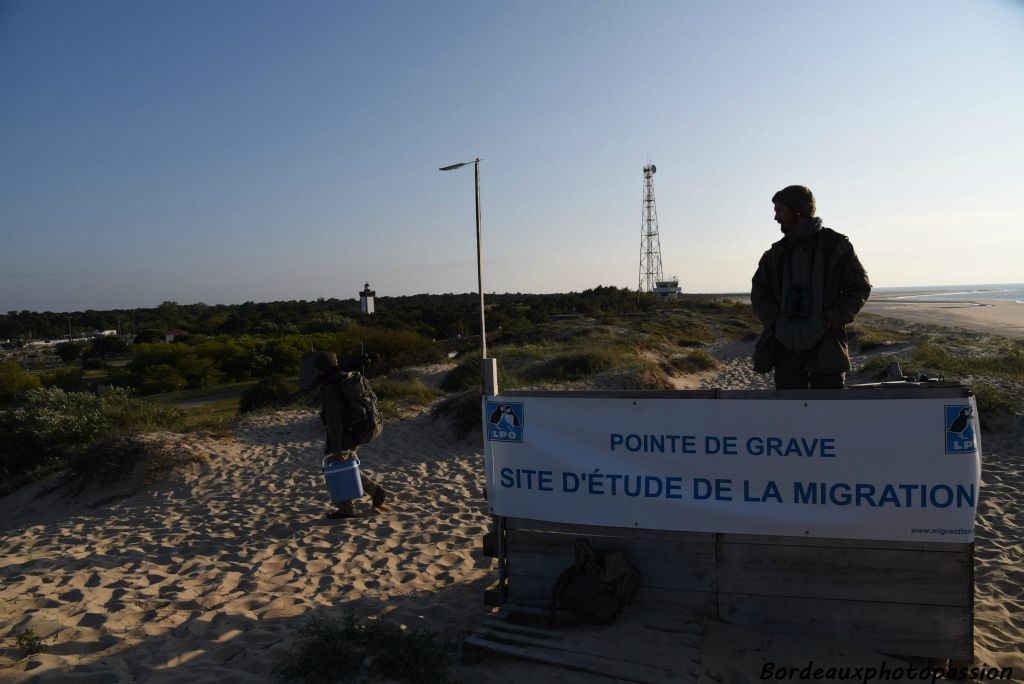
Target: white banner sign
(891, 469)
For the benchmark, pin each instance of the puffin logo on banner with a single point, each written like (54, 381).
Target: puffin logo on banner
(960, 430)
(504, 421)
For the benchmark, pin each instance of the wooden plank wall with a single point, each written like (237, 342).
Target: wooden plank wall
(900, 598)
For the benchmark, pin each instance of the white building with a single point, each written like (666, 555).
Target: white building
(366, 299)
(667, 290)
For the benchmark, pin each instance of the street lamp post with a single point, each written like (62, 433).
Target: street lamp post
(488, 371)
(479, 247)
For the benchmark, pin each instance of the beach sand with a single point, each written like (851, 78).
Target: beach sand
(995, 317)
(209, 576)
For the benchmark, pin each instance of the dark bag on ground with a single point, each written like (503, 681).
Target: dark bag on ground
(597, 586)
(363, 420)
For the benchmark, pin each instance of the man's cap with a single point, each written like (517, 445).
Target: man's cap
(325, 361)
(798, 198)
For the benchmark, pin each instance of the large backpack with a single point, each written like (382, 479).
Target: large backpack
(597, 586)
(363, 420)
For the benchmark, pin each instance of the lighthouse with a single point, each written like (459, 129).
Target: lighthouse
(366, 299)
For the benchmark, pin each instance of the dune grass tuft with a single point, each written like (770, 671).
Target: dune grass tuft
(696, 361)
(576, 365)
(346, 650)
(30, 643)
(401, 390)
(464, 411)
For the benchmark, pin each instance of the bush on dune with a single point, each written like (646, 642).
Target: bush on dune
(345, 650)
(576, 365)
(54, 427)
(107, 458)
(408, 390)
(694, 362)
(464, 376)
(269, 392)
(465, 412)
(994, 402)
(15, 381)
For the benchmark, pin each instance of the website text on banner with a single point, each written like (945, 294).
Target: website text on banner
(902, 470)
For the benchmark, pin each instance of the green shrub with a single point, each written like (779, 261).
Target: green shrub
(872, 337)
(649, 376)
(53, 427)
(416, 357)
(101, 346)
(574, 365)
(345, 650)
(687, 341)
(464, 376)
(213, 418)
(69, 351)
(1008, 363)
(465, 412)
(67, 379)
(94, 363)
(994, 402)
(694, 362)
(694, 334)
(1004, 363)
(269, 392)
(934, 357)
(328, 322)
(389, 409)
(15, 381)
(881, 362)
(412, 390)
(124, 413)
(107, 458)
(159, 378)
(30, 643)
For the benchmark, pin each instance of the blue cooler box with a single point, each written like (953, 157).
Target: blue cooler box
(343, 480)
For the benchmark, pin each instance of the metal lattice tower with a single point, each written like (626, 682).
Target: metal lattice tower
(650, 244)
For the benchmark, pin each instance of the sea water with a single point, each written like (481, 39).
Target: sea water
(1013, 292)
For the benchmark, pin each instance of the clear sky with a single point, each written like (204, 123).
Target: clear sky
(228, 151)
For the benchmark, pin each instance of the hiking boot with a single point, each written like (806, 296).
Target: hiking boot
(379, 497)
(345, 510)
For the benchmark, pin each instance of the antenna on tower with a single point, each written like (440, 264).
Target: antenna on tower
(650, 243)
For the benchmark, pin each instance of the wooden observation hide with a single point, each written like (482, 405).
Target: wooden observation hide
(905, 598)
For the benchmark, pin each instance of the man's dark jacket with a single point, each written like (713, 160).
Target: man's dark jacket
(840, 289)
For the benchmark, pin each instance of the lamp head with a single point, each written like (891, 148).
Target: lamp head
(457, 166)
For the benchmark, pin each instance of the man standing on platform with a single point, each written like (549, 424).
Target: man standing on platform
(808, 286)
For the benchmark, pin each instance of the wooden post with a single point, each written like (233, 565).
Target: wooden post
(495, 541)
(480, 264)
(489, 373)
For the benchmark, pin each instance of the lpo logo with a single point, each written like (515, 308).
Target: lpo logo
(504, 421)
(960, 430)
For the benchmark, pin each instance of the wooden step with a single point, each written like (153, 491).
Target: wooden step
(627, 650)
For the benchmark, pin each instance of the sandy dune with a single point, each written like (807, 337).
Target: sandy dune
(208, 578)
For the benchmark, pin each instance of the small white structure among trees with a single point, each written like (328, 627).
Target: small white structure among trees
(366, 299)
(667, 290)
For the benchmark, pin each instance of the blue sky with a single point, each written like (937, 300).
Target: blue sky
(232, 151)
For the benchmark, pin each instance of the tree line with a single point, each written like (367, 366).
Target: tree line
(434, 316)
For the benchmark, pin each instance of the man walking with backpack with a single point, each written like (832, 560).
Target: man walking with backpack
(345, 432)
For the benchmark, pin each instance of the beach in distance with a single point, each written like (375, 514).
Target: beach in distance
(996, 309)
